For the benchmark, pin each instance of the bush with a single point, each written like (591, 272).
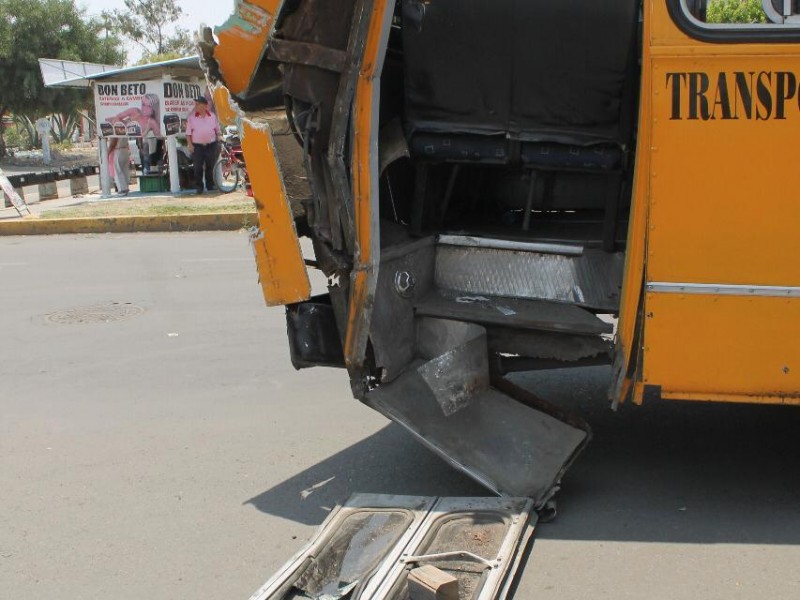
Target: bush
(16, 139)
(62, 145)
(735, 11)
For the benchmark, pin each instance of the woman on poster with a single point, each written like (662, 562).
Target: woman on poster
(148, 117)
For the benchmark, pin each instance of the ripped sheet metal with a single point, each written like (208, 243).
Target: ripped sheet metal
(502, 438)
(458, 368)
(281, 267)
(243, 41)
(276, 245)
(366, 549)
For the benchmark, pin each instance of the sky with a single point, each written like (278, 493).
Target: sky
(196, 12)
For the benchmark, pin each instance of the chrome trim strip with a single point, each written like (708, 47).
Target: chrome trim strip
(468, 241)
(722, 289)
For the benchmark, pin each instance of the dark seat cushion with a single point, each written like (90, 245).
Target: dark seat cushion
(455, 147)
(554, 156)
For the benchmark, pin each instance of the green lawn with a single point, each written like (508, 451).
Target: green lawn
(133, 209)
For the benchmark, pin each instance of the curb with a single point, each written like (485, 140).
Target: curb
(132, 224)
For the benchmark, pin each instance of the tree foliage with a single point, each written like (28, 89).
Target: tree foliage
(735, 11)
(33, 29)
(152, 25)
(154, 58)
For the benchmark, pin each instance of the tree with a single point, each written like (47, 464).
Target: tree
(154, 58)
(151, 25)
(735, 11)
(33, 29)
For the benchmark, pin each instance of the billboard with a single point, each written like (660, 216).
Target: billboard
(154, 108)
(179, 99)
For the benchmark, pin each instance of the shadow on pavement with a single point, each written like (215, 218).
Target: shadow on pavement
(388, 462)
(667, 472)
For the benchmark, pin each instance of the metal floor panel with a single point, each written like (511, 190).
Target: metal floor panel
(592, 279)
(540, 315)
(511, 448)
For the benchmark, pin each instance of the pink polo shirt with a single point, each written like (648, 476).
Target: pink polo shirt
(202, 130)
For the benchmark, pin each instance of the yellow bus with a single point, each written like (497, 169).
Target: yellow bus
(499, 186)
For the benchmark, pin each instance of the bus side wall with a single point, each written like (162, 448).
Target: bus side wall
(722, 258)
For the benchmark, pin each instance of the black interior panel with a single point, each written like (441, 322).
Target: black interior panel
(537, 70)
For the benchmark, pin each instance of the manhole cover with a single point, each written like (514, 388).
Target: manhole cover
(100, 313)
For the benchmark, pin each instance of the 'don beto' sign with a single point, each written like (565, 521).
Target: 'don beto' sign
(145, 108)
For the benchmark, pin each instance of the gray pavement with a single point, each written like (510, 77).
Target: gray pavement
(170, 455)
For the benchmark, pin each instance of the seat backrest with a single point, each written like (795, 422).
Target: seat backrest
(534, 70)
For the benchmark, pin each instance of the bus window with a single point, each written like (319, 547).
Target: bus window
(738, 20)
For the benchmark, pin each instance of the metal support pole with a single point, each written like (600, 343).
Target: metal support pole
(105, 172)
(172, 154)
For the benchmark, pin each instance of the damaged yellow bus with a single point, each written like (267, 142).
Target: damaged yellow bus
(506, 186)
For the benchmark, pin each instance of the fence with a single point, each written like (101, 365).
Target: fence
(48, 190)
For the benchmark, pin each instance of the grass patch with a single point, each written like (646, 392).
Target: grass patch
(133, 209)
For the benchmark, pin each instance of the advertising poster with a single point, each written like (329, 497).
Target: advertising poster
(129, 109)
(154, 108)
(179, 98)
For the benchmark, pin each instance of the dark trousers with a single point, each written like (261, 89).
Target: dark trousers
(204, 158)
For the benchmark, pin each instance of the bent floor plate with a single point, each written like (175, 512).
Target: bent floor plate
(366, 549)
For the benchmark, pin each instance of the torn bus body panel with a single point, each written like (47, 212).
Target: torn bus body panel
(276, 246)
(429, 308)
(368, 547)
(243, 41)
(275, 241)
(511, 448)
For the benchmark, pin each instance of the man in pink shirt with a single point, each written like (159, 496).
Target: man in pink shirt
(203, 135)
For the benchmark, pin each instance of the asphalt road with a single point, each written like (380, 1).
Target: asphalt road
(174, 454)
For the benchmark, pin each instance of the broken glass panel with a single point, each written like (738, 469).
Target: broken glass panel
(352, 553)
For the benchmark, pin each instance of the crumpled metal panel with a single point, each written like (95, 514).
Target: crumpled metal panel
(478, 541)
(512, 448)
(592, 280)
(516, 313)
(459, 365)
(546, 344)
(366, 549)
(393, 328)
(243, 42)
(352, 544)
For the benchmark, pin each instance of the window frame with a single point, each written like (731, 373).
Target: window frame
(719, 33)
